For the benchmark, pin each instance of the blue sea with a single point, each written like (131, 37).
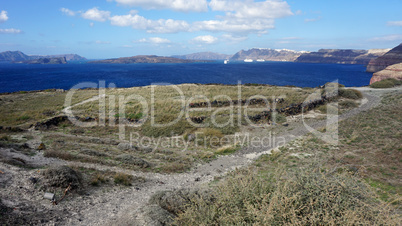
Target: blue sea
(26, 77)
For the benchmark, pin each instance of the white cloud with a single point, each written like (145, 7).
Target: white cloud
(10, 31)
(234, 38)
(151, 26)
(206, 39)
(67, 12)
(240, 17)
(177, 5)
(247, 9)
(387, 38)
(245, 16)
(312, 20)
(299, 12)
(155, 40)
(3, 16)
(96, 15)
(394, 23)
(102, 42)
(235, 26)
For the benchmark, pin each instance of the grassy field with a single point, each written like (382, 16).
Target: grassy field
(186, 142)
(311, 182)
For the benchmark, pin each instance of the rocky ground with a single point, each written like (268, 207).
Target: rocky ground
(21, 188)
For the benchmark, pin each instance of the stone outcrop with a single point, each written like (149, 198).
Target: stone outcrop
(393, 71)
(341, 56)
(144, 59)
(267, 54)
(394, 56)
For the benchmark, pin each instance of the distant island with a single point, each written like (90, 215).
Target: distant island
(327, 56)
(20, 57)
(55, 60)
(204, 56)
(341, 56)
(145, 59)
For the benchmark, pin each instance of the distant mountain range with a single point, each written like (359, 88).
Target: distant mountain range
(18, 56)
(144, 59)
(267, 54)
(204, 56)
(341, 56)
(394, 56)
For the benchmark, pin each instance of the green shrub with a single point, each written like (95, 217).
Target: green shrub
(386, 83)
(308, 196)
(350, 94)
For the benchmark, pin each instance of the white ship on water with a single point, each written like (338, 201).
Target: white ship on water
(226, 61)
(261, 60)
(248, 60)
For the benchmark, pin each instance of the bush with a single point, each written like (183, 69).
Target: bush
(386, 83)
(348, 104)
(122, 178)
(97, 179)
(308, 196)
(62, 177)
(350, 94)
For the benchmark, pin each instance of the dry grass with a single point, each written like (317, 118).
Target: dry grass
(306, 196)
(386, 83)
(356, 182)
(122, 178)
(25, 108)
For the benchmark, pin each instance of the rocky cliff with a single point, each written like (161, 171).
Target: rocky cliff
(144, 59)
(394, 56)
(341, 56)
(56, 60)
(393, 71)
(267, 54)
(13, 56)
(204, 56)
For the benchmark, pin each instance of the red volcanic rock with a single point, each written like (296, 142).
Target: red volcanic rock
(393, 71)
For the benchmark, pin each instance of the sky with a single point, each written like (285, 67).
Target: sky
(98, 29)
